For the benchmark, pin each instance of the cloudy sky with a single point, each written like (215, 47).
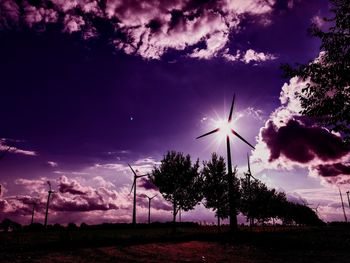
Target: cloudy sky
(90, 86)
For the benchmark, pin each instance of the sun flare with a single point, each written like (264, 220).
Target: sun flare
(225, 129)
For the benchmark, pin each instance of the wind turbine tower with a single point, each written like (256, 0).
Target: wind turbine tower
(50, 192)
(134, 187)
(33, 211)
(249, 176)
(149, 207)
(228, 130)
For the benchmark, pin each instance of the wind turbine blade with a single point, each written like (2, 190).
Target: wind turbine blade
(208, 133)
(132, 170)
(231, 110)
(239, 136)
(154, 196)
(132, 187)
(139, 176)
(253, 177)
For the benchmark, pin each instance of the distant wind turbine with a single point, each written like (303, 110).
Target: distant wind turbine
(347, 193)
(33, 211)
(228, 130)
(149, 207)
(50, 192)
(342, 204)
(134, 187)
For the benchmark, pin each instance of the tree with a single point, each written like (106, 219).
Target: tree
(215, 187)
(259, 202)
(178, 181)
(327, 94)
(300, 214)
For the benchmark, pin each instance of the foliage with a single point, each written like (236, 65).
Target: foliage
(178, 181)
(215, 186)
(256, 199)
(263, 204)
(300, 214)
(327, 95)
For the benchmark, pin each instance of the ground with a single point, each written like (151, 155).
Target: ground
(323, 244)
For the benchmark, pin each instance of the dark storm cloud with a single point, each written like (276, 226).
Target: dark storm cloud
(147, 184)
(71, 196)
(334, 173)
(290, 140)
(144, 27)
(302, 144)
(71, 187)
(83, 198)
(334, 169)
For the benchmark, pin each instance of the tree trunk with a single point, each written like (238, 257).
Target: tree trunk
(174, 216)
(174, 211)
(219, 227)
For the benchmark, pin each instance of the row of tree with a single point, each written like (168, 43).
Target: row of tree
(182, 183)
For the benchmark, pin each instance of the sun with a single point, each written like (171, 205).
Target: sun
(225, 129)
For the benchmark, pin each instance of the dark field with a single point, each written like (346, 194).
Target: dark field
(188, 244)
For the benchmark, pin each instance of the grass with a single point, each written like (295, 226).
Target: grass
(191, 244)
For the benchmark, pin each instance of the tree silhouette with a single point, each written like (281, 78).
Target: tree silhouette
(215, 187)
(178, 181)
(300, 214)
(327, 96)
(260, 203)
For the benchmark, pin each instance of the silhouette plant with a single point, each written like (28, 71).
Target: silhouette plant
(327, 94)
(215, 187)
(178, 181)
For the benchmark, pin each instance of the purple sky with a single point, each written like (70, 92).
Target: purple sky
(89, 86)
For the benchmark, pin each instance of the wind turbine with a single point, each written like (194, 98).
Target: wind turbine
(33, 210)
(228, 130)
(342, 204)
(134, 187)
(249, 175)
(347, 193)
(149, 207)
(48, 201)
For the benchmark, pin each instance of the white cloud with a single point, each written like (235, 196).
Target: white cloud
(248, 56)
(149, 27)
(5, 147)
(52, 163)
(326, 159)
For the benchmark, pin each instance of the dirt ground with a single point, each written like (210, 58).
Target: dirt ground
(192, 251)
(300, 245)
